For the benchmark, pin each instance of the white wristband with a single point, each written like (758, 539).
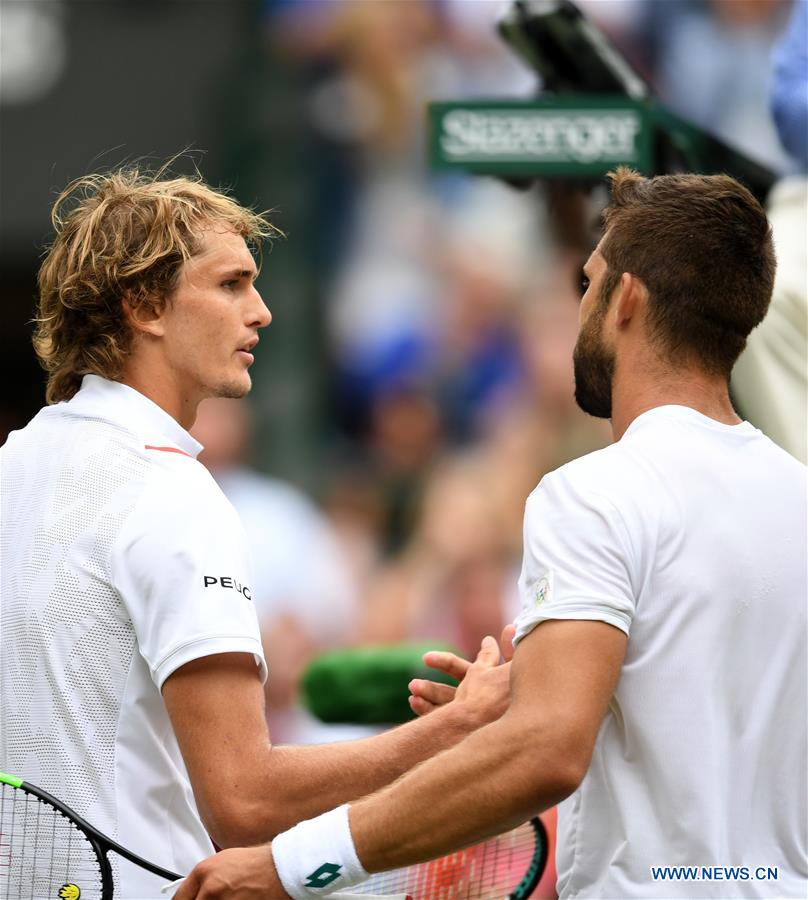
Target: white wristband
(318, 856)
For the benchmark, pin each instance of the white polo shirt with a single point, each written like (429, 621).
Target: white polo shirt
(690, 536)
(121, 561)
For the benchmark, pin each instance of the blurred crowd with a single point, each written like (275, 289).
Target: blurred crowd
(439, 311)
(449, 312)
(424, 322)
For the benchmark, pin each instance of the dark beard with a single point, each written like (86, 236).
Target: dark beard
(593, 363)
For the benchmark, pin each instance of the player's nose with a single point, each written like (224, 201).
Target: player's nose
(261, 312)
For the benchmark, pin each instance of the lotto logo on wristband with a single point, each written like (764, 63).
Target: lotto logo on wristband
(327, 874)
(298, 856)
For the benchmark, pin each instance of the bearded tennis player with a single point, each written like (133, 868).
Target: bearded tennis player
(658, 689)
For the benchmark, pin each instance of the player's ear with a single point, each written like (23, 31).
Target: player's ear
(145, 316)
(632, 296)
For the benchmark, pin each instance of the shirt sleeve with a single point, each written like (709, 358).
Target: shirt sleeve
(577, 560)
(181, 567)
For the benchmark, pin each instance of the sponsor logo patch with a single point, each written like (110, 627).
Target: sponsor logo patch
(226, 581)
(325, 875)
(543, 589)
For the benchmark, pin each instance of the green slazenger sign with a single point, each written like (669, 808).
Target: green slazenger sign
(578, 136)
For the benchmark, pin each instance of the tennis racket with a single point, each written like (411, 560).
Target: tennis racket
(47, 852)
(507, 866)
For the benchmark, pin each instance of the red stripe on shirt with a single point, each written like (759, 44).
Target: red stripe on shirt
(168, 450)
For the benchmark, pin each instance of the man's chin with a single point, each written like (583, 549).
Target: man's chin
(594, 376)
(593, 387)
(592, 405)
(234, 390)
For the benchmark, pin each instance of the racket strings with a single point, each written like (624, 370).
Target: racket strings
(43, 855)
(487, 871)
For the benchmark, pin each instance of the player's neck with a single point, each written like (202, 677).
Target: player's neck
(634, 394)
(164, 391)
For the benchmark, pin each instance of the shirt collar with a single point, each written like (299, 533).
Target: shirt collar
(134, 411)
(688, 414)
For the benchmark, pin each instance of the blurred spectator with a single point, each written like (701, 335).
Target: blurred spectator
(353, 504)
(373, 68)
(770, 380)
(476, 61)
(302, 589)
(712, 67)
(405, 436)
(454, 579)
(484, 260)
(627, 25)
(789, 94)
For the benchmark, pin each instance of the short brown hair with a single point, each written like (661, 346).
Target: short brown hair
(120, 234)
(703, 247)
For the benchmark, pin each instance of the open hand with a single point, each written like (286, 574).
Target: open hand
(484, 682)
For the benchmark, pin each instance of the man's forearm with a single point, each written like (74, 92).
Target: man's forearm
(495, 782)
(247, 791)
(300, 782)
(531, 758)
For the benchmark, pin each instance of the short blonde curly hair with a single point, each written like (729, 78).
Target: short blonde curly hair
(122, 234)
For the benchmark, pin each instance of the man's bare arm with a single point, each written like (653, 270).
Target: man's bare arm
(534, 756)
(248, 790)
(563, 676)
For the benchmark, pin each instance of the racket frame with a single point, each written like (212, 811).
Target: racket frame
(100, 843)
(403, 887)
(532, 877)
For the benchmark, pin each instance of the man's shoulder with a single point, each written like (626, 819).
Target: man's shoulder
(178, 484)
(607, 469)
(63, 431)
(57, 437)
(164, 474)
(614, 481)
(177, 509)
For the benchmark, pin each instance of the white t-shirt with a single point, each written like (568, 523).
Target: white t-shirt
(121, 561)
(690, 536)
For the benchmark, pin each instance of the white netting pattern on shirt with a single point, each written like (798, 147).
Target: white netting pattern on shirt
(68, 642)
